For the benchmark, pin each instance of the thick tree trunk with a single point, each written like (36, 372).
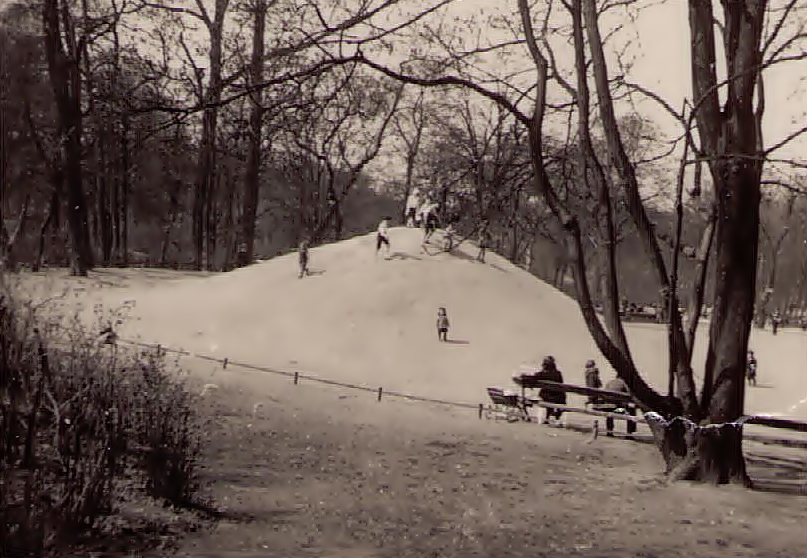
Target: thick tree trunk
(123, 215)
(173, 210)
(41, 248)
(65, 78)
(710, 453)
(9, 259)
(204, 201)
(252, 190)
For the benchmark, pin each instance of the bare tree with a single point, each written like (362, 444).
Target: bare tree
(252, 185)
(64, 54)
(729, 144)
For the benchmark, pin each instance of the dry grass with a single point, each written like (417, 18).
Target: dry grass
(329, 473)
(321, 472)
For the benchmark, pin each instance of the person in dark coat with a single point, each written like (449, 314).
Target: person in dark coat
(550, 372)
(593, 380)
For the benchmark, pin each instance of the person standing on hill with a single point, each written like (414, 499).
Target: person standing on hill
(303, 257)
(442, 324)
(776, 320)
(412, 202)
(484, 240)
(751, 369)
(382, 236)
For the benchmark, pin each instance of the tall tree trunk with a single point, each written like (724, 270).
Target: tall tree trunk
(514, 238)
(52, 208)
(729, 140)
(204, 213)
(64, 70)
(4, 143)
(252, 190)
(173, 210)
(123, 207)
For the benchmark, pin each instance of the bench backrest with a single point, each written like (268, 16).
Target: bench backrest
(527, 381)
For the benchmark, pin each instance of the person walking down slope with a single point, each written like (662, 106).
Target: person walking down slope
(303, 257)
(382, 236)
(442, 324)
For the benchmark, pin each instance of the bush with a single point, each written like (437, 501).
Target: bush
(83, 421)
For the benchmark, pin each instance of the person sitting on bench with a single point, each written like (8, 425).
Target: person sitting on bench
(592, 374)
(617, 406)
(550, 372)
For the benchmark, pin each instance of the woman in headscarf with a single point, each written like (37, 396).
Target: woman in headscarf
(550, 372)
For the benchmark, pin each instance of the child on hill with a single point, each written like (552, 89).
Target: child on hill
(382, 237)
(303, 254)
(442, 324)
(484, 240)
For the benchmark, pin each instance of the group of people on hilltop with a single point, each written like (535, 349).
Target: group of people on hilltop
(549, 371)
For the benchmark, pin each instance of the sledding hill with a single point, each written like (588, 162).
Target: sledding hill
(361, 318)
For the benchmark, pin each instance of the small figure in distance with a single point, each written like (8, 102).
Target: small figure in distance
(430, 221)
(550, 372)
(593, 380)
(449, 237)
(382, 237)
(617, 407)
(484, 240)
(776, 320)
(442, 324)
(751, 368)
(303, 257)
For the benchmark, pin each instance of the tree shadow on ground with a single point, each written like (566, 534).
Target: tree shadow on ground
(403, 256)
(459, 254)
(316, 272)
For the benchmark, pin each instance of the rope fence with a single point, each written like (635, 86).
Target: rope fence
(111, 338)
(297, 376)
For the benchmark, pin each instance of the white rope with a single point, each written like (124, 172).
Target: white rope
(690, 425)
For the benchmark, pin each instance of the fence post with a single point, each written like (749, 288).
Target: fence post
(481, 407)
(226, 360)
(380, 390)
(296, 376)
(159, 349)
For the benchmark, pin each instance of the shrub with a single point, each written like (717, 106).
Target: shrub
(82, 417)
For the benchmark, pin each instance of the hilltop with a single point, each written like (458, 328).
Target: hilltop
(361, 318)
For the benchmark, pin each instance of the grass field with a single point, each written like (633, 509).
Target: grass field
(315, 470)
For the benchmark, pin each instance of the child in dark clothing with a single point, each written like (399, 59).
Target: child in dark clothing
(303, 253)
(593, 380)
(751, 369)
(442, 324)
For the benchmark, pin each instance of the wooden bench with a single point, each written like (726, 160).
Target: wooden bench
(525, 381)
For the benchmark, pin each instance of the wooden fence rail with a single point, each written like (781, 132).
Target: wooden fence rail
(528, 382)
